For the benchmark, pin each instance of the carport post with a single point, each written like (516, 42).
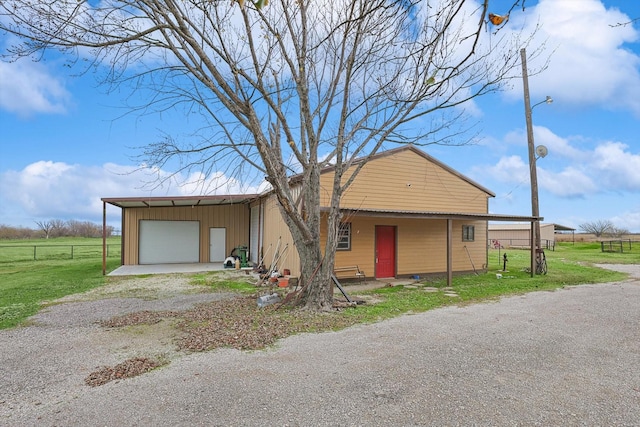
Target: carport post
(449, 252)
(104, 238)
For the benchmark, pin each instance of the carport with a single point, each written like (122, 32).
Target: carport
(178, 233)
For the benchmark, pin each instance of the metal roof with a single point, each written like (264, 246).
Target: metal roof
(527, 226)
(154, 202)
(559, 227)
(437, 215)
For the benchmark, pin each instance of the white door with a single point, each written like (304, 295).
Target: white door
(168, 242)
(217, 244)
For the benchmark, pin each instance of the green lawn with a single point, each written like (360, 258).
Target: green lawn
(568, 265)
(58, 248)
(25, 285)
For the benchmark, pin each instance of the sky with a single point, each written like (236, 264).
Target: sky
(65, 141)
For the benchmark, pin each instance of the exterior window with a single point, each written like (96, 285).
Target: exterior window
(344, 237)
(468, 233)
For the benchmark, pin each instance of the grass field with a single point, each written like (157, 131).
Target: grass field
(25, 285)
(569, 265)
(58, 248)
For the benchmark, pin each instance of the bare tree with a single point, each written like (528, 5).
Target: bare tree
(10, 233)
(287, 88)
(85, 229)
(598, 228)
(46, 227)
(59, 228)
(618, 232)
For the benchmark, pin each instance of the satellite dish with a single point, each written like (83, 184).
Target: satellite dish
(541, 151)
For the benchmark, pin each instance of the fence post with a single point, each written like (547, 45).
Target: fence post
(71, 251)
(34, 253)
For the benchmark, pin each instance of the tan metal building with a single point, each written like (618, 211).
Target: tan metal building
(518, 235)
(165, 230)
(405, 214)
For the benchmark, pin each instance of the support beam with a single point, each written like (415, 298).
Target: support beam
(535, 210)
(449, 252)
(532, 240)
(104, 238)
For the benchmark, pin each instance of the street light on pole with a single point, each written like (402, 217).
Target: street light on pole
(535, 210)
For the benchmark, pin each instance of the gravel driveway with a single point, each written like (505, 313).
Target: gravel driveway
(568, 357)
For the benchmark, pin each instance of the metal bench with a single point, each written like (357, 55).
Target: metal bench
(355, 270)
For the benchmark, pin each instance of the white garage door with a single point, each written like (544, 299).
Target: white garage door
(166, 242)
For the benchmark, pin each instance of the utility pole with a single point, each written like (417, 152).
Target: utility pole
(535, 211)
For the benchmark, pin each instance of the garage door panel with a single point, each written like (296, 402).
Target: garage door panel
(166, 242)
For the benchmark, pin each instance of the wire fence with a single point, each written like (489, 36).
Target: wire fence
(621, 245)
(15, 253)
(519, 244)
(614, 245)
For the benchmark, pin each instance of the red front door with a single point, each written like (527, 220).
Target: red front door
(385, 251)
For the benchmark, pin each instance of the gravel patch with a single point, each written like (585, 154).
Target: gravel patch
(632, 269)
(568, 357)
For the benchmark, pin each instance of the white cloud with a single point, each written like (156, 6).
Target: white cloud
(508, 169)
(567, 171)
(28, 87)
(558, 146)
(57, 190)
(629, 220)
(570, 182)
(590, 64)
(617, 167)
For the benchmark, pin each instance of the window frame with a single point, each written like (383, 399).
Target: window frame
(468, 233)
(344, 237)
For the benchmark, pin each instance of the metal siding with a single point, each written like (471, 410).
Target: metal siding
(235, 218)
(519, 234)
(421, 245)
(408, 181)
(275, 229)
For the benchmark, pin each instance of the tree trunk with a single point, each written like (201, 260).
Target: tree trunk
(304, 223)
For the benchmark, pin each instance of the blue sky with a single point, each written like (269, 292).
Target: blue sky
(65, 143)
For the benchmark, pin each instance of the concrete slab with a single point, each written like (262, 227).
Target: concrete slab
(136, 270)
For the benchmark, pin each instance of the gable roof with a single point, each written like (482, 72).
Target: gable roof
(168, 201)
(414, 149)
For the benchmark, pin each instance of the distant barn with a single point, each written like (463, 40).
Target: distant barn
(518, 235)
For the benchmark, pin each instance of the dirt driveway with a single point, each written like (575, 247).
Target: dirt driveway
(569, 357)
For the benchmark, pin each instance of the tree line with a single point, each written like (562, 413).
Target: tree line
(55, 228)
(603, 228)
